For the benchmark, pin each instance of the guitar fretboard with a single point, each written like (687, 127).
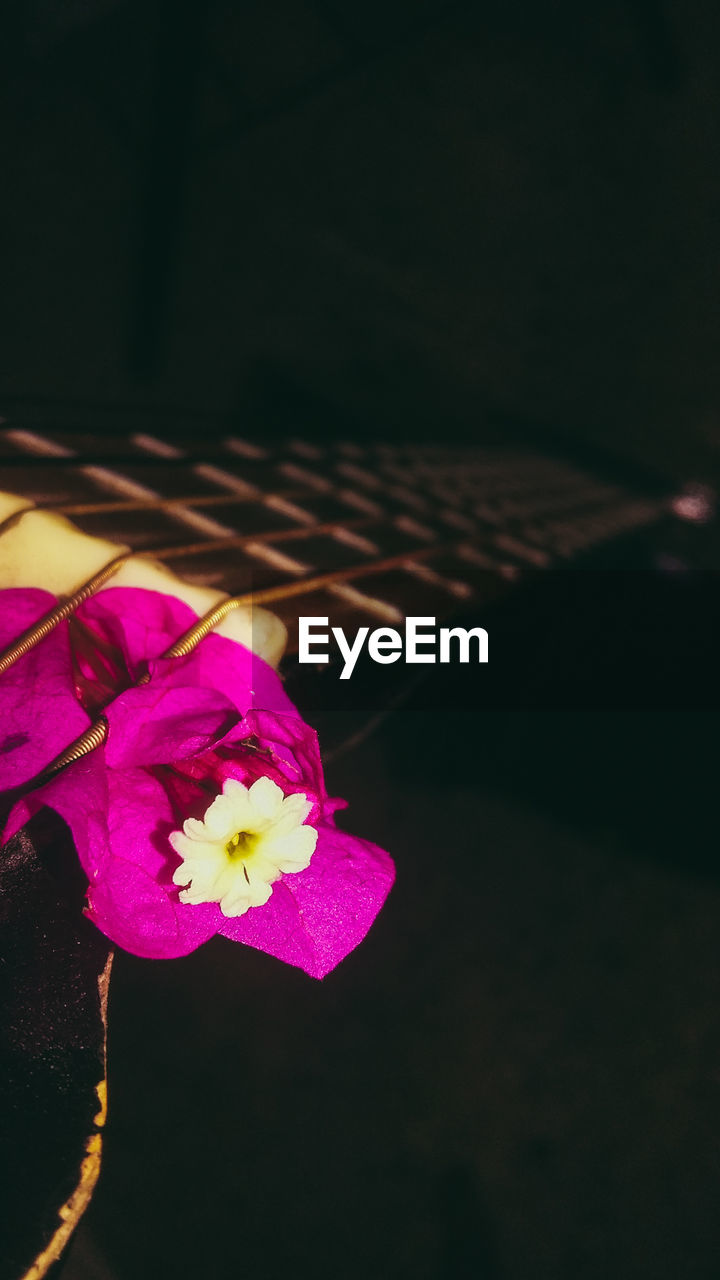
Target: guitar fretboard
(360, 533)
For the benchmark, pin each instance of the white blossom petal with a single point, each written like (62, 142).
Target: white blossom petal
(246, 840)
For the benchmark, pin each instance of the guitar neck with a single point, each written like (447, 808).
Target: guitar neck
(364, 535)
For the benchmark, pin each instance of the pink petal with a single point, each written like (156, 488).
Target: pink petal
(154, 724)
(131, 909)
(20, 607)
(132, 899)
(293, 744)
(39, 711)
(80, 796)
(144, 624)
(141, 624)
(140, 819)
(183, 729)
(316, 917)
(226, 665)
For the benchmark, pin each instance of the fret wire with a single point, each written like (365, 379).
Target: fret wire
(381, 486)
(195, 500)
(317, 583)
(138, 504)
(275, 535)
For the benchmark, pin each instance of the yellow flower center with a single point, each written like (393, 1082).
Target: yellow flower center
(242, 844)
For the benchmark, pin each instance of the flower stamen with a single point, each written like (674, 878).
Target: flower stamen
(243, 842)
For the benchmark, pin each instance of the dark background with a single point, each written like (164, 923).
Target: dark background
(403, 215)
(417, 220)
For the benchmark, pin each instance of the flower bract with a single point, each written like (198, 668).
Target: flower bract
(205, 812)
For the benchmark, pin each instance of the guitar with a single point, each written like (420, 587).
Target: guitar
(363, 535)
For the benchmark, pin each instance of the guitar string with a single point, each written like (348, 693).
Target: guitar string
(96, 734)
(40, 629)
(34, 634)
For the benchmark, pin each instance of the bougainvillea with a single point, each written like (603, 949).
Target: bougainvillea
(205, 811)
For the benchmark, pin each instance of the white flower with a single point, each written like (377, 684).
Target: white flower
(248, 837)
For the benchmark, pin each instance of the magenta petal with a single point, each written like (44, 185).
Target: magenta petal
(140, 623)
(218, 712)
(39, 712)
(20, 607)
(155, 725)
(133, 899)
(140, 818)
(80, 796)
(144, 624)
(21, 812)
(134, 911)
(219, 663)
(315, 918)
(293, 744)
